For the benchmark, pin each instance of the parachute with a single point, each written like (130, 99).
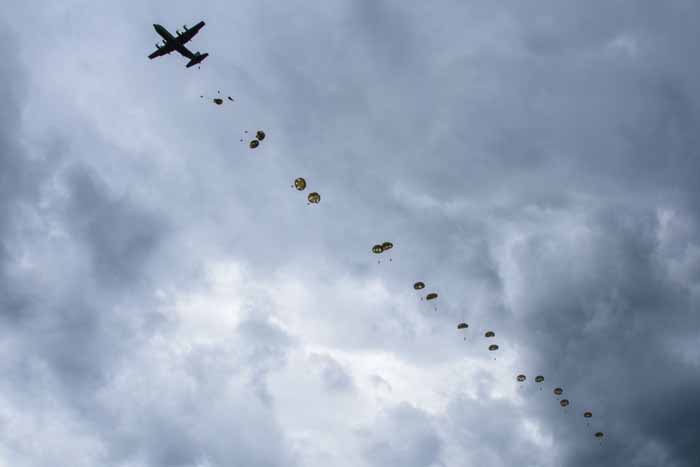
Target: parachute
(376, 249)
(521, 378)
(431, 296)
(490, 334)
(254, 144)
(260, 135)
(558, 391)
(564, 402)
(314, 198)
(493, 347)
(463, 326)
(218, 100)
(300, 184)
(539, 379)
(418, 286)
(587, 414)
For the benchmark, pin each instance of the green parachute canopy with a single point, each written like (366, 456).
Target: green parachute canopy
(300, 184)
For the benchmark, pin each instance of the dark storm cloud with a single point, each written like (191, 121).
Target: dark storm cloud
(120, 237)
(402, 436)
(582, 117)
(80, 266)
(537, 164)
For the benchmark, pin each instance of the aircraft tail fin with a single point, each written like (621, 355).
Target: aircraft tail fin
(198, 58)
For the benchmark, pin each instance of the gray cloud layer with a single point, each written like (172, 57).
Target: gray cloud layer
(167, 299)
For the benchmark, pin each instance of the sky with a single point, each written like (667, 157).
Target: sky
(168, 299)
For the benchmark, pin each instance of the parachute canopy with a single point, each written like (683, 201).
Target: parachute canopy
(587, 414)
(387, 246)
(254, 144)
(300, 184)
(314, 198)
(539, 379)
(490, 334)
(558, 391)
(493, 347)
(419, 285)
(564, 402)
(462, 326)
(521, 378)
(376, 249)
(260, 135)
(431, 296)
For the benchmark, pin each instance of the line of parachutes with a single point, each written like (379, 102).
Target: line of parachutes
(300, 184)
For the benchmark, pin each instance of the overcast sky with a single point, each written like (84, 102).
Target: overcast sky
(167, 299)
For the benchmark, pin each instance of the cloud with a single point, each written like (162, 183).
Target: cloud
(168, 298)
(402, 436)
(335, 378)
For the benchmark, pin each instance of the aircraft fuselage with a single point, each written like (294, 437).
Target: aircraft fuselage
(163, 33)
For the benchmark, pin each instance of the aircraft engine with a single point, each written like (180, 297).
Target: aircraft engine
(184, 26)
(157, 46)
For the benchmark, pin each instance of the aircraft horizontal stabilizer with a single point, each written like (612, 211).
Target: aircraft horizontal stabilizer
(198, 58)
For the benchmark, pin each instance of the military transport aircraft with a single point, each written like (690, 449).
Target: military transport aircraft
(171, 43)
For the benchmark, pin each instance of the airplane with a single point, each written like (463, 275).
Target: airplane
(171, 43)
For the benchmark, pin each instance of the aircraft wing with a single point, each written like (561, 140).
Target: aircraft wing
(184, 51)
(165, 50)
(187, 36)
